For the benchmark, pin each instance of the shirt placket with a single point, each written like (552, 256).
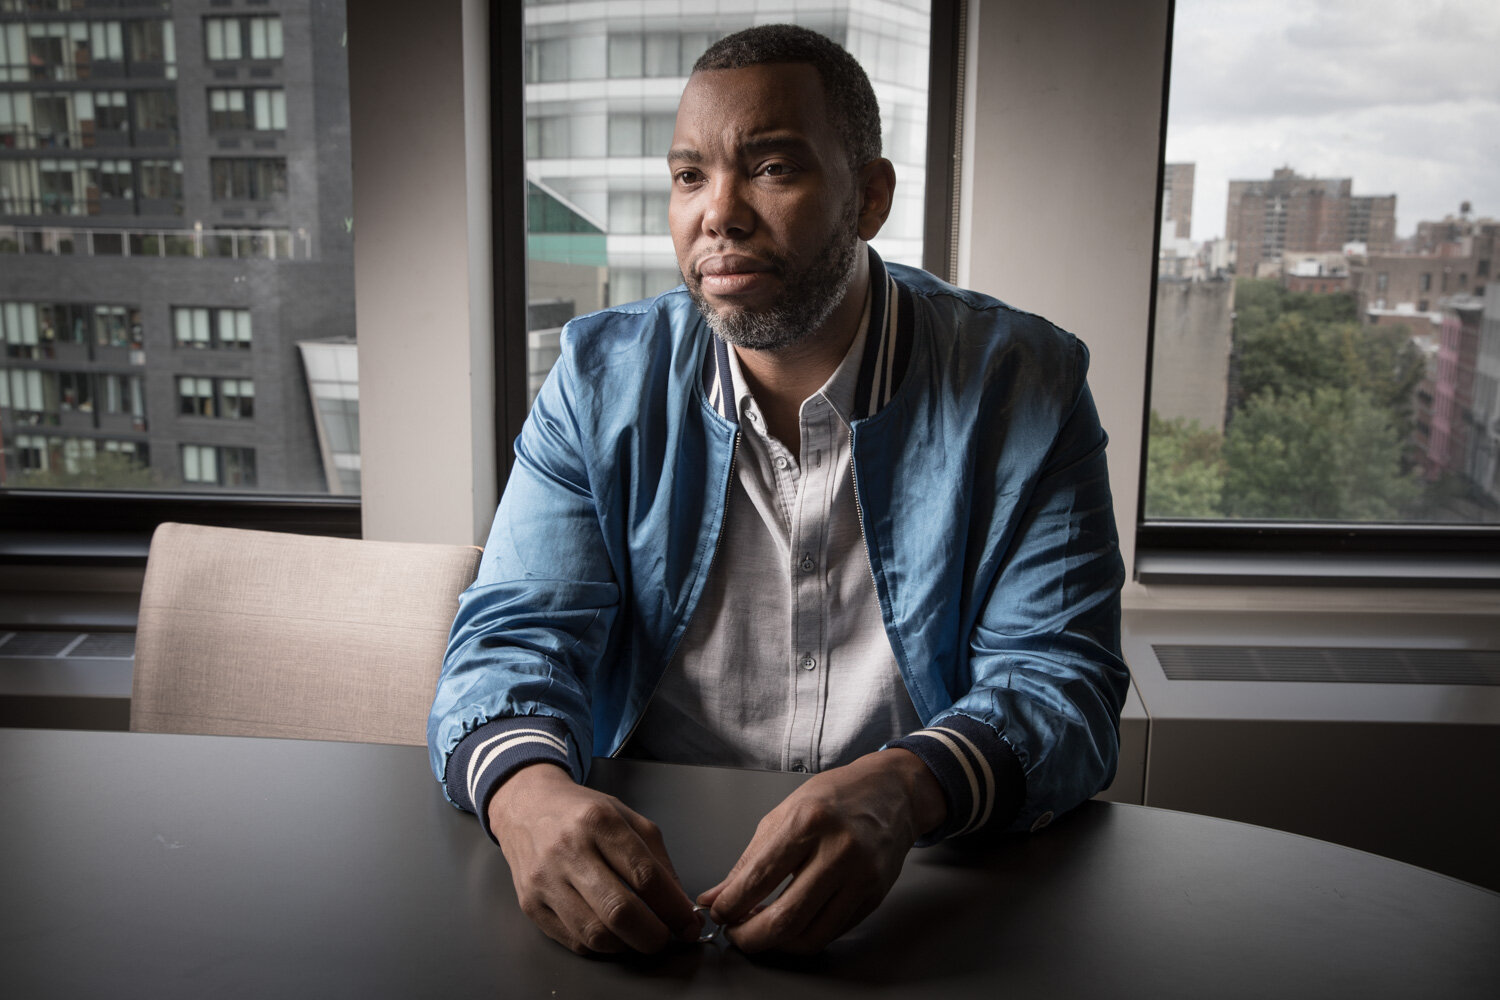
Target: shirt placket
(809, 552)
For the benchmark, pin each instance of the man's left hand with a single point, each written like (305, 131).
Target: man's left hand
(842, 837)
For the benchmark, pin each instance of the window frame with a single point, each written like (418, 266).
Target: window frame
(1374, 554)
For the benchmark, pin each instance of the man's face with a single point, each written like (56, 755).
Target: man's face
(764, 210)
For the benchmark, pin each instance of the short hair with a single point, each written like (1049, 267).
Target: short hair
(847, 92)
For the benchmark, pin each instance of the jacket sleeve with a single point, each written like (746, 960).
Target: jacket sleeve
(536, 625)
(1037, 732)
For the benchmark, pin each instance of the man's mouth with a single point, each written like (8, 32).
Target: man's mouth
(734, 274)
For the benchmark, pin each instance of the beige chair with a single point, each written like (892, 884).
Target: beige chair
(259, 633)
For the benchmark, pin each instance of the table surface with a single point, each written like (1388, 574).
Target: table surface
(166, 866)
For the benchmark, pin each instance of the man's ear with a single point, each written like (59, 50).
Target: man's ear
(877, 189)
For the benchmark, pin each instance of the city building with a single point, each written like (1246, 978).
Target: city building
(1191, 347)
(175, 237)
(1482, 461)
(1321, 273)
(1288, 212)
(602, 84)
(1411, 282)
(1177, 200)
(1451, 384)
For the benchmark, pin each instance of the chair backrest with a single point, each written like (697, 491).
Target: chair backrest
(260, 633)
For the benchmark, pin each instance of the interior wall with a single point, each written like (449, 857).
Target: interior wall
(1062, 126)
(421, 210)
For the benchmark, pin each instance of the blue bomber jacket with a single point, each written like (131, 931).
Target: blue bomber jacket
(980, 478)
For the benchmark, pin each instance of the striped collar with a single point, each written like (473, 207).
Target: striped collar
(886, 353)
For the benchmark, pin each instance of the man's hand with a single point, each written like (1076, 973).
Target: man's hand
(842, 837)
(592, 873)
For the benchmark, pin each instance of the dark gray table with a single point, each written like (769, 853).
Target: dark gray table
(192, 866)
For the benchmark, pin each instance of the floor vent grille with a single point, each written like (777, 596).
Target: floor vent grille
(1329, 665)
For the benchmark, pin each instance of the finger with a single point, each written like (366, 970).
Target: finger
(766, 863)
(658, 883)
(707, 896)
(613, 909)
(639, 859)
(568, 924)
(783, 923)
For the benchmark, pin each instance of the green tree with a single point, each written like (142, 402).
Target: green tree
(1184, 470)
(105, 470)
(1332, 454)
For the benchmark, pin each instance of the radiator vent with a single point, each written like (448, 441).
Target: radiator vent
(1329, 664)
(67, 645)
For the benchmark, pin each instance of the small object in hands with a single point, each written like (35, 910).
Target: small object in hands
(711, 931)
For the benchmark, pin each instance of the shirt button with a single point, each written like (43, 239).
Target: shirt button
(799, 767)
(807, 563)
(808, 663)
(781, 462)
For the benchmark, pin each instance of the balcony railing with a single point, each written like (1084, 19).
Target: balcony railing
(233, 244)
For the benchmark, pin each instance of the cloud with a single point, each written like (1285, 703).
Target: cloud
(1403, 97)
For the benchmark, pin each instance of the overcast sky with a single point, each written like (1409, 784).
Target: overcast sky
(1403, 96)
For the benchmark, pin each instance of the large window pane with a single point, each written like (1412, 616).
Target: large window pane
(175, 236)
(1327, 342)
(596, 172)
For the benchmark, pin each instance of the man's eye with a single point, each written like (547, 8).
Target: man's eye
(776, 169)
(685, 176)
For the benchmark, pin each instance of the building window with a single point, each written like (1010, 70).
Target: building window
(195, 397)
(202, 327)
(228, 398)
(258, 179)
(156, 111)
(244, 110)
(75, 392)
(213, 465)
(123, 395)
(153, 48)
(230, 38)
(237, 398)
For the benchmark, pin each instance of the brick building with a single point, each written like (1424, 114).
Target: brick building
(1266, 218)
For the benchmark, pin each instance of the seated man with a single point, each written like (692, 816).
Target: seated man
(809, 512)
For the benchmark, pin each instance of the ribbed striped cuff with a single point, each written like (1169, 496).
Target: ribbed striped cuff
(495, 751)
(981, 776)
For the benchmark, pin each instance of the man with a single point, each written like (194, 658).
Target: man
(807, 512)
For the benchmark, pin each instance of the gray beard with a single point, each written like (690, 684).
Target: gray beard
(809, 298)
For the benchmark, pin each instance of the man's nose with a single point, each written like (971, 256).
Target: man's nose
(728, 215)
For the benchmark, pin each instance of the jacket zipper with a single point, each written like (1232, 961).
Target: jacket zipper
(734, 456)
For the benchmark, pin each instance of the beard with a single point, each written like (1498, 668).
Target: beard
(809, 294)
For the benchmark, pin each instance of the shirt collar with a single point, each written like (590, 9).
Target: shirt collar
(838, 391)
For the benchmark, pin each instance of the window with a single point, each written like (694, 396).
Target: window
(258, 179)
(214, 465)
(229, 398)
(1355, 399)
(229, 38)
(211, 328)
(195, 397)
(123, 168)
(597, 180)
(156, 111)
(236, 110)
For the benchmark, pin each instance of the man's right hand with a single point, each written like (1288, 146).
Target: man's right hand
(592, 873)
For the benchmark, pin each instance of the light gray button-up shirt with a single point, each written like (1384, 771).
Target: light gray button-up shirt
(785, 664)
